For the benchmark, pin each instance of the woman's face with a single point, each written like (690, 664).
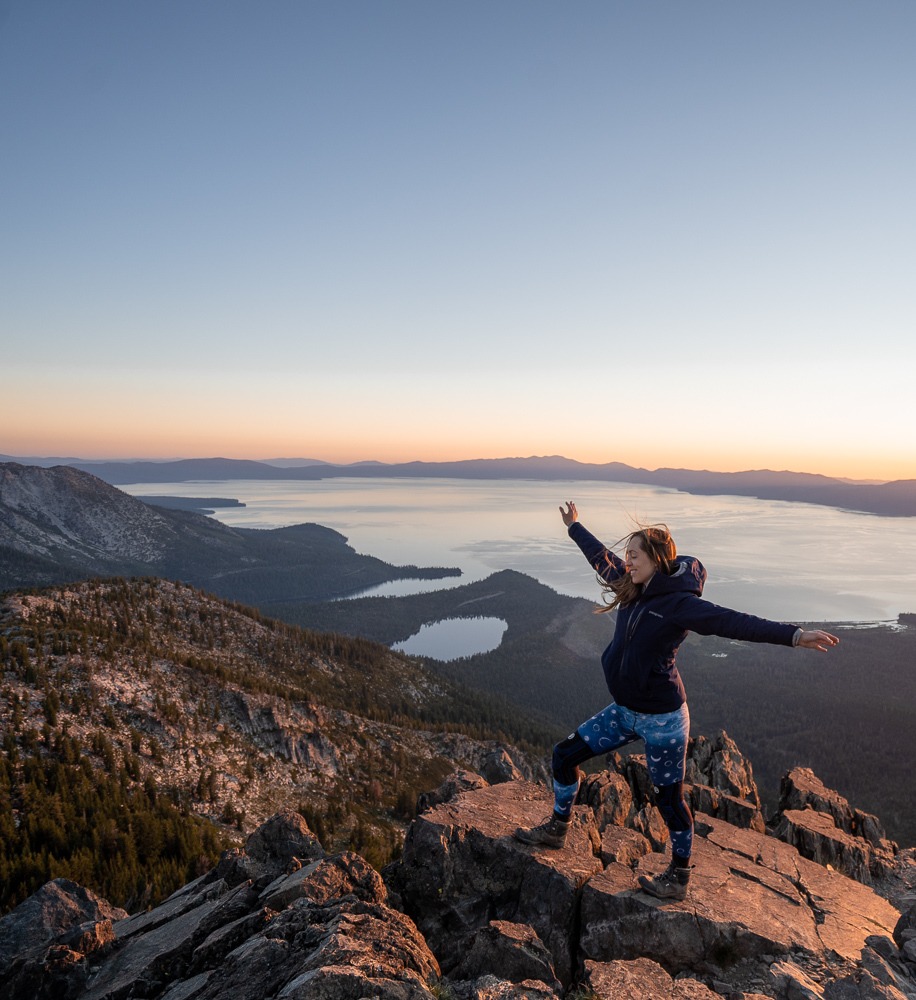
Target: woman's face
(639, 563)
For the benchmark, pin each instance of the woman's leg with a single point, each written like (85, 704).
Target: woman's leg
(609, 730)
(599, 734)
(567, 756)
(666, 756)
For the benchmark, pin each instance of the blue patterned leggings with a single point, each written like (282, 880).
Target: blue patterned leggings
(665, 736)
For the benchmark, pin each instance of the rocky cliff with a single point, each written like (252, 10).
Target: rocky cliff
(470, 913)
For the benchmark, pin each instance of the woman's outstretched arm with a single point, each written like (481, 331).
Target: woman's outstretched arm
(705, 618)
(604, 562)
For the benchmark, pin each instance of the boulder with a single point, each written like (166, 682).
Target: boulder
(514, 949)
(498, 766)
(337, 877)
(457, 781)
(641, 979)
(52, 913)
(283, 838)
(793, 983)
(622, 845)
(719, 764)
(649, 823)
(609, 797)
(720, 782)
(801, 789)
(738, 812)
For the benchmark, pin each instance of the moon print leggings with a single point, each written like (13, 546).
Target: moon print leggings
(665, 735)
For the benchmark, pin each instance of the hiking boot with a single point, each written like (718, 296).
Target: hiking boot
(550, 833)
(670, 884)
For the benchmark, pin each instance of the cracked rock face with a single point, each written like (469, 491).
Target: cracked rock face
(760, 918)
(750, 896)
(470, 913)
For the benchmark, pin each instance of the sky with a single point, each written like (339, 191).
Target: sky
(664, 233)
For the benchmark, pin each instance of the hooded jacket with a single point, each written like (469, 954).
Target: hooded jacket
(639, 664)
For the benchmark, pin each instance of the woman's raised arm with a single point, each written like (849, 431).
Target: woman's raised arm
(570, 515)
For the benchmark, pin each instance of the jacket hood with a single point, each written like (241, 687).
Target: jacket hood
(688, 577)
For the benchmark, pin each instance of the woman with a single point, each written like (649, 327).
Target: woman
(657, 597)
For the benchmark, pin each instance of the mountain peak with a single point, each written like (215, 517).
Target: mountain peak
(472, 913)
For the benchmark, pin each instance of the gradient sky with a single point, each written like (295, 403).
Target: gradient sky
(664, 233)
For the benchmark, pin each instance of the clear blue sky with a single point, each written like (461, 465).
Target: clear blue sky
(665, 233)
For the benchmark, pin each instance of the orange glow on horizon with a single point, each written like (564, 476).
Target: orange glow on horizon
(130, 445)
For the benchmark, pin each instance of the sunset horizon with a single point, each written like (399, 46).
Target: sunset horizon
(354, 457)
(673, 236)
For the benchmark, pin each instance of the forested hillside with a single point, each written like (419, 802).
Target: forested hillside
(146, 724)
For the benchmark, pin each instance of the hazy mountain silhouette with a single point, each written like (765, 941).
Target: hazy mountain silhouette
(893, 499)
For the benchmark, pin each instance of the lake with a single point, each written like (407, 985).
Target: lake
(787, 561)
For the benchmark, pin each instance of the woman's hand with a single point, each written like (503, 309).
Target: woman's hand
(570, 515)
(817, 640)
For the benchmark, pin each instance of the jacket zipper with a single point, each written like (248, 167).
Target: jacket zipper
(631, 629)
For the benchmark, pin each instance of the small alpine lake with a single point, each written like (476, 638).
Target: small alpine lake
(453, 638)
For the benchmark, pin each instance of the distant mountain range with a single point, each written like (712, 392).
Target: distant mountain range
(63, 524)
(893, 499)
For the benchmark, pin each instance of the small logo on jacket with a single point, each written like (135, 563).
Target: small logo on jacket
(657, 615)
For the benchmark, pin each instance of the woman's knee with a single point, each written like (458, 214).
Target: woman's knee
(673, 806)
(568, 754)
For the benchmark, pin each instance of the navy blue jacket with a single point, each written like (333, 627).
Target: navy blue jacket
(639, 663)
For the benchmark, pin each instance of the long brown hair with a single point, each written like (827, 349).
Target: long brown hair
(656, 541)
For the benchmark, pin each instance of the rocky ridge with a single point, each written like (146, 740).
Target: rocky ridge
(469, 913)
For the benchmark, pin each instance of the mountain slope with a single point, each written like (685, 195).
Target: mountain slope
(168, 691)
(62, 524)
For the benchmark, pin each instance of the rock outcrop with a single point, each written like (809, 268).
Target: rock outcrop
(277, 919)
(761, 919)
(825, 828)
(469, 913)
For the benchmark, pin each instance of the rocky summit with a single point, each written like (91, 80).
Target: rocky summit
(815, 904)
